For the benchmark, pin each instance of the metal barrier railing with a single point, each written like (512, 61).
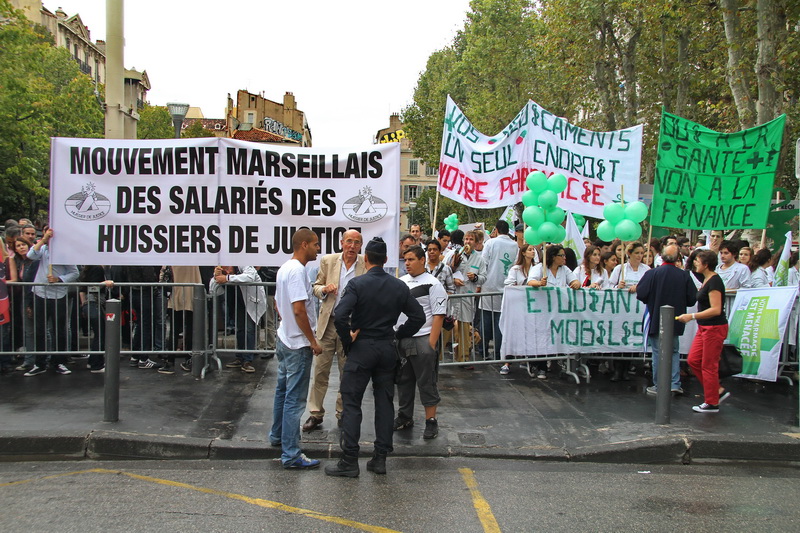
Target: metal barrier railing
(157, 321)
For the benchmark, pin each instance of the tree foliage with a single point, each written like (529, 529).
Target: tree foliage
(42, 95)
(195, 130)
(155, 122)
(610, 64)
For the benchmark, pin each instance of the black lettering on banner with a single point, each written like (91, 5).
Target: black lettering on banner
(243, 239)
(289, 166)
(375, 163)
(329, 238)
(159, 239)
(310, 202)
(144, 161)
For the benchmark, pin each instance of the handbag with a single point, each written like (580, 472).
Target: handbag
(730, 361)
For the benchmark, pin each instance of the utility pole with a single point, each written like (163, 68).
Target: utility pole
(115, 57)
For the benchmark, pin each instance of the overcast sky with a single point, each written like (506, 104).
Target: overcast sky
(350, 64)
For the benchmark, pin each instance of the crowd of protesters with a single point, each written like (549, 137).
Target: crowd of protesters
(40, 323)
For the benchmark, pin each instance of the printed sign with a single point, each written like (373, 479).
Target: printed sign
(214, 201)
(485, 172)
(757, 324)
(710, 180)
(554, 320)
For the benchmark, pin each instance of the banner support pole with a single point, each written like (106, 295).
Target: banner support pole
(435, 212)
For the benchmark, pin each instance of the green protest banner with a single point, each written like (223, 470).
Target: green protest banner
(710, 180)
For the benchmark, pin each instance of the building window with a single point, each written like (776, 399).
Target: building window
(251, 117)
(431, 170)
(410, 192)
(413, 167)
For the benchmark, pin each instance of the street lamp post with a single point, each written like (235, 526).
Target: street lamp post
(178, 112)
(411, 206)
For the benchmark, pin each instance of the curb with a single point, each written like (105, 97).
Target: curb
(111, 445)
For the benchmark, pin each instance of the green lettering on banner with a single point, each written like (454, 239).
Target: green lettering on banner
(530, 298)
(710, 180)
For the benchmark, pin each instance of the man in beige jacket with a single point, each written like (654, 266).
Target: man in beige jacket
(335, 271)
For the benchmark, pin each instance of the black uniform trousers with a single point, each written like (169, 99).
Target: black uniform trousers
(367, 359)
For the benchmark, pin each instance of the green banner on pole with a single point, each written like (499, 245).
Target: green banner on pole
(710, 180)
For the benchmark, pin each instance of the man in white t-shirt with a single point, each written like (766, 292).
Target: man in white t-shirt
(420, 368)
(732, 272)
(499, 254)
(295, 350)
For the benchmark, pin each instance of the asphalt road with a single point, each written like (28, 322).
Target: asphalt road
(417, 495)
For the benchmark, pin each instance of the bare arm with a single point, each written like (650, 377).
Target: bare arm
(299, 310)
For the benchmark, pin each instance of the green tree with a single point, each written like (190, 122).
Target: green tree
(42, 95)
(155, 122)
(196, 129)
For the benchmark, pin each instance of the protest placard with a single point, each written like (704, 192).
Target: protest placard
(214, 201)
(486, 172)
(710, 180)
(757, 323)
(558, 320)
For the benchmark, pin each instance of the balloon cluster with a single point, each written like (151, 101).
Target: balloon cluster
(622, 221)
(579, 220)
(541, 214)
(451, 222)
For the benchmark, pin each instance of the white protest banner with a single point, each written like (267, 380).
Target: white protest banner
(214, 201)
(553, 320)
(757, 321)
(487, 172)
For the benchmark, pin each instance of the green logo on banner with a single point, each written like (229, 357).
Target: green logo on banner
(754, 329)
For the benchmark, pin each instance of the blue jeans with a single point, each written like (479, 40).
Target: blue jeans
(294, 373)
(490, 329)
(676, 361)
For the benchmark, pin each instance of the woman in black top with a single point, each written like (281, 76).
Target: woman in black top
(712, 328)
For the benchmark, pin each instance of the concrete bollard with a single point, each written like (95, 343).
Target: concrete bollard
(111, 375)
(666, 342)
(199, 332)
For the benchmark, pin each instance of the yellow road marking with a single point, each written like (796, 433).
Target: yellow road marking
(253, 501)
(483, 508)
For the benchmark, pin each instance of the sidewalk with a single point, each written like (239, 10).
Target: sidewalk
(482, 414)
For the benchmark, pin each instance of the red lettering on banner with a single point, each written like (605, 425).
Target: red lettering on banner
(568, 192)
(452, 179)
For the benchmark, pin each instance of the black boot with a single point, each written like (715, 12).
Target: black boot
(377, 464)
(346, 467)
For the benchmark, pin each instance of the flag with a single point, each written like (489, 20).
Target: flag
(509, 215)
(574, 239)
(782, 270)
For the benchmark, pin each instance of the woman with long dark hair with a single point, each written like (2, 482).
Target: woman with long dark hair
(712, 328)
(591, 273)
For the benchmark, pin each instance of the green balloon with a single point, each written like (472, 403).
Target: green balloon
(579, 220)
(555, 215)
(536, 181)
(533, 216)
(557, 183)
(547, 200)
(605, 231)
(636, 211)
(529, 198)
(614, 213)
(548, 231)
(532, 236)
(627, 230)
(560, 235)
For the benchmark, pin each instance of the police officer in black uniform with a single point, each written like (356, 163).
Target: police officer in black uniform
(365, 319)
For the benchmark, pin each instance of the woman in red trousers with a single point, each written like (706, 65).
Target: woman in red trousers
(712, 328)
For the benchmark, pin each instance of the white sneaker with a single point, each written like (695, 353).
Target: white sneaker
(504, 370)
(63, 370)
